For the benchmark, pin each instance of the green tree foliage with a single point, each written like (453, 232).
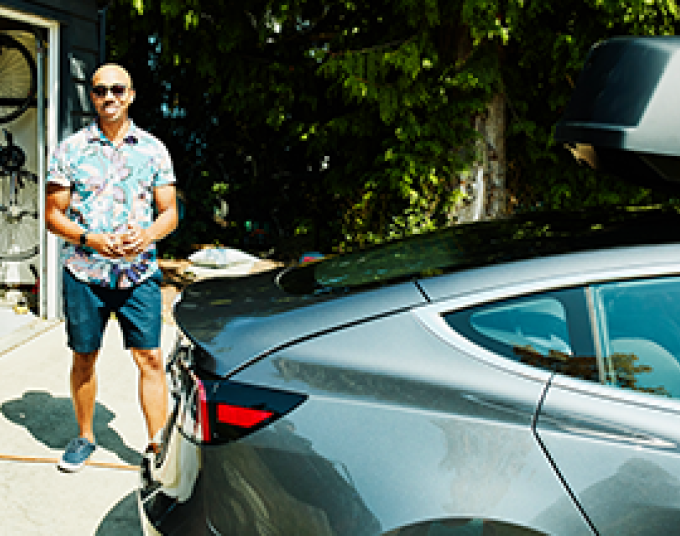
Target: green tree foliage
(340, 122)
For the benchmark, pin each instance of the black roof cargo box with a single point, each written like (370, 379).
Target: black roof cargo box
(624, 113)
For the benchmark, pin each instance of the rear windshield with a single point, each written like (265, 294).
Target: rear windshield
(482, 244)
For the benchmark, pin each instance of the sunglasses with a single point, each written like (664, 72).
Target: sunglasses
(117, 90)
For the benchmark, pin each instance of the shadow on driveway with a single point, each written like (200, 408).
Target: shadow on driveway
(122, 519)
(50, 420)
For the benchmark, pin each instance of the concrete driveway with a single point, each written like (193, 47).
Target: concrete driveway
(36, 422)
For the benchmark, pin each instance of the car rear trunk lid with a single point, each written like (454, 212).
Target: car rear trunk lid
(235, 320)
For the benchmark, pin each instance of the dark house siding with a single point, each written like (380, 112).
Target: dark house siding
(79, 54)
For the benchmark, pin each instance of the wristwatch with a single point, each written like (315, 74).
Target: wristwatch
(83, 239)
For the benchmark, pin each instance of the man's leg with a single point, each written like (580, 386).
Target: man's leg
(84, 391)
(153, 389)
(85, 322)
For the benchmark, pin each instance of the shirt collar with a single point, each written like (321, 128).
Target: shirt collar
(94, 134)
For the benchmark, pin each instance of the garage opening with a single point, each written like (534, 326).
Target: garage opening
(27, 131)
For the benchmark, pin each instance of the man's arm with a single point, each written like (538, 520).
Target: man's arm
(166, 221)
(166, 205)
(56, 204)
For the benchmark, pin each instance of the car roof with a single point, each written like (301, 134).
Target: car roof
(489, 243)
(554, 272)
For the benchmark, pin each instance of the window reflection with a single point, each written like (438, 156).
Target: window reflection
(638, 324)
(539, 323)
(626, 369)
(532, 330)
(628, 372)
(583, 367)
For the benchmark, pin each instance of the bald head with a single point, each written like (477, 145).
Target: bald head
(109, 70)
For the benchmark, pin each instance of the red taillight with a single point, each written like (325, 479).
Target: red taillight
(220, 410)
(243, 417)
(204, 416)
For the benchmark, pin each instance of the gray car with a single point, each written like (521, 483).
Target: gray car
(515, 377)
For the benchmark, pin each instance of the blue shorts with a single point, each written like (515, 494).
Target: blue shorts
(89, 307)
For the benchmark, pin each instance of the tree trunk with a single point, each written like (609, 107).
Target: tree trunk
(484, 185)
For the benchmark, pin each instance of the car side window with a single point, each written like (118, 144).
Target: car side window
(639, 334)
(534, 330)
(540, 323)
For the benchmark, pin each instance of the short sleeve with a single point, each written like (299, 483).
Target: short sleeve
(57, 169)
(165, 173)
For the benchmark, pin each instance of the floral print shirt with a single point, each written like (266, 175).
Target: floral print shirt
(111, 187)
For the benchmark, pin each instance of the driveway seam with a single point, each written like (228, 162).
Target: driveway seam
(25, 334)
(92, 463)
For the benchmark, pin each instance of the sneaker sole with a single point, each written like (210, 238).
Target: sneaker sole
(70, 467)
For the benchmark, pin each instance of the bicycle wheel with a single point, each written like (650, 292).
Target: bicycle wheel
(18, 78)
(19, 224)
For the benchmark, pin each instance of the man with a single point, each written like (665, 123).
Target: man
(102, 187)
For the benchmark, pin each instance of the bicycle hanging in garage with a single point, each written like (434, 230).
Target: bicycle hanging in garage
(18, 78)
(19, 211)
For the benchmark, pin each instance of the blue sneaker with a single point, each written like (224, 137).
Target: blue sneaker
(76, 454)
